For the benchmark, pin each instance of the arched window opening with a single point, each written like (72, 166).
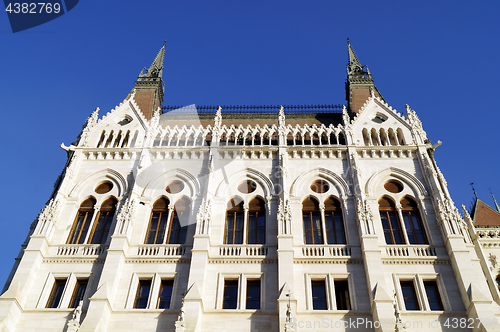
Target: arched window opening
(102, 225)
(248, 140)
(179, 222)
(341, 139)
(231, 139)
(274, 139)
(182, 140)
(366, 137)
(390, 221)
(315, 139)
(82, 222)
(125, 140)
(266, 140)
(383, 137)
(334, 224)
(257, 139)
(392, 137)
(289, 139)
(240, 139)
(173, 141)
(191, 140)
(101, 140)
(110, 139)
(118, 139)
(374, 136)
(234, 222)
(164, 140)
(256, 221)
(413, 222)
(324, 139)
(333, 139)
(158, 222)
(223, 139)
(307, 139)
(401, 137)
(313, 230)
(208, 139)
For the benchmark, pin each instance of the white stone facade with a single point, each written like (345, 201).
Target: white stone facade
(132, 153)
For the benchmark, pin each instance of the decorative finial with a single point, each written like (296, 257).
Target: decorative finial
(164, 43)
(474, 190)
(348, 40)
(496, 203)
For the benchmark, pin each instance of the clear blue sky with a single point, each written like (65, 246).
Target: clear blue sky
(440, 57)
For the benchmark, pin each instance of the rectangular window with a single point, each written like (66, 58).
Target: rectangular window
(156, 229)
(230, 294)
(409, 295)
(56, 293)
(253, 294)
(234, 228)
(342, 295)
(319, 294)
(432, 291)
(101, 227)
(142, 296)
(165, 295)
(80, 288)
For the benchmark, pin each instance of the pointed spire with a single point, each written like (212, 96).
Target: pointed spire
(496, 203)
(359, 83)
(148, 89)
(354, 65)
(156, 68)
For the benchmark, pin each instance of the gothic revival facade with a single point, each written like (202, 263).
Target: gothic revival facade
(272, 218)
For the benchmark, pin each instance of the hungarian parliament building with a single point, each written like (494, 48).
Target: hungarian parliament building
(255, 218)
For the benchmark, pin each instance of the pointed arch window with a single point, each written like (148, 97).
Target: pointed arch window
(390, 221)
(256, 230)
(413, 222)
(234, 222)
(158, 222)
(102, 224)
(313, 230)
(333, 222)
(178, 224)
(82, 222)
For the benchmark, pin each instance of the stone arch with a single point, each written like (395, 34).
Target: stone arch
(231, 182)
(91, 181)
(297, 188)
(376, 179)
(161, 181)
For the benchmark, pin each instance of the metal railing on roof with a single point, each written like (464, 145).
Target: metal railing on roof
(242, 109)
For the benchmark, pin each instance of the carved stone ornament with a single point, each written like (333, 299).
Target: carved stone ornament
(415, 122)
(365, 217)
(89, 124)
(281, 119)
(218, 119)
(346, 118)
(47, 217)
(493, 260)
(203, 217)
(125, 215)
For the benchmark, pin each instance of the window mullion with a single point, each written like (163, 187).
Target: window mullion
(166, 235)
(323, 230)
(91, 230)
(245, 226)
(402, 224)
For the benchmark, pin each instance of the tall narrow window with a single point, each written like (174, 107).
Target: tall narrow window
(80, 288)
(409, 295)
(313, 231)
(234, 222)
(497, 279)
(230, 294)
(253, 294)
(413, 223)
(256, 221)
(318, 288)
(103, 221)
(158, 222)
(56, 293)
(432, 291)
(342, 295)
(82, 222)
(390, 222)
(165, 295)
(142, 296)
(333, 222)
(178, 224)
